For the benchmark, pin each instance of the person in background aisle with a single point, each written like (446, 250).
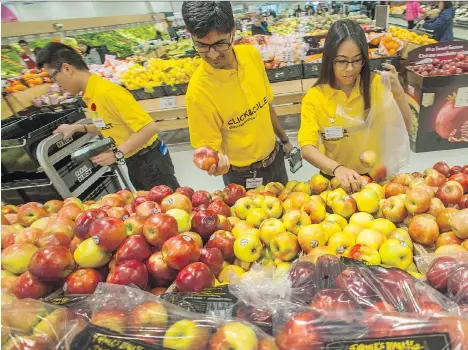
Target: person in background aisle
(345, 80)
(259, 26)
(172, 31)
(27, 57)
(442, 25)
(90, 55)
(229, 101)
(298, 12)
(413, 11)
(158, 36)
(309, 10)
(115, 113)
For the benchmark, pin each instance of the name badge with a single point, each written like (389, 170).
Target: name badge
(334, 132)
(99, 123)
(254, 183)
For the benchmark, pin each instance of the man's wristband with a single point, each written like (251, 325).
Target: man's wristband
(336, 168)
(85, 129)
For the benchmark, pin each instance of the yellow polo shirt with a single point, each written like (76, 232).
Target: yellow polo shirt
(320, 105)
(116, 113)
(228, 108)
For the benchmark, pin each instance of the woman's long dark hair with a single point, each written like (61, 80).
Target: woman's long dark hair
(339, 32)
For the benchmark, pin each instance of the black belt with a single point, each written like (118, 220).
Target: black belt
(265, 162)
(156, 144)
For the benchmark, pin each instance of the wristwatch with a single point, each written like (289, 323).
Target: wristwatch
(119, 156)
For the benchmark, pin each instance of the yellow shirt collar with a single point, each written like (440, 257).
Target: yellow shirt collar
(329, 92)
(90, 86)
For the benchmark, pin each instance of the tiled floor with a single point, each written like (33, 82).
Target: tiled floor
(189, 175)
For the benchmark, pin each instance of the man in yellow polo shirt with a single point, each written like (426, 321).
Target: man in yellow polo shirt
(229, 100)
(115, 114)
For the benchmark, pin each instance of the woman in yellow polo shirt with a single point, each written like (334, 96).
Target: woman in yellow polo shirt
(344, 87)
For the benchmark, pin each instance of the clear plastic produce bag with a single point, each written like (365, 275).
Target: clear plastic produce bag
(382, 137)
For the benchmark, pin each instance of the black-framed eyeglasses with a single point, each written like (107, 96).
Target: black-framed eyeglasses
(220, 47)
(52, 76)
(343, 64)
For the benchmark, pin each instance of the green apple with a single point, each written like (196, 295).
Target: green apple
(270, 228)
(88, 254)
(248, 248)
(186, 335)
(183, 219)
(396, 253)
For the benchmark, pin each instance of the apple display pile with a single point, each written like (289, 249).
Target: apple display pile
(438, 67)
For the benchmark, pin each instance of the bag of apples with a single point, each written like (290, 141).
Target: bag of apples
(129, 318)
(381, 135)
(447, 274)
(300, 328)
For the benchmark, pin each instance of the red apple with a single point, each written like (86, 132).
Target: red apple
(83, 222)
(195, 277)
(151, 315)
(300, 332)
(52, 263)
(196, 237)
(117, 212)
(112, 201)
(213, 258)
(435, 179)
(82, 281)
(449, 194)
(224, 223)
(436, 206)
(333, 299)
(219, 207)
(31, 212)
(27, 235)
(70, 211)
(205, 157)
(158, 228)
(442, 168)
(134, 225)
(53, 239)
(108, 233)
(463, 201)
(158, 291)
(187, 191)
(160, 270)
(465, 170)
(352, 281)
(9, 209)
(439, 271)
(126, 195)
(28, 286)
(129, 272)
(64, 225)
(137, 201)
(201, 197)
(224, 241)
(11, 219)
(444, 218)
(147, 209)
(112, 319)
(53, 206)
(455, 170)
(205, 222)
(180, 251)
(447, 238)
(417, 200)
(423, 230)
(176, 201)
(133, 248)
(232, 193)
(462, 179)
(75, 242)
(457, 285)
(158, 193)
(394, 189)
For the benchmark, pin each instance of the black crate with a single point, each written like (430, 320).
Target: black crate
(105, 185)
(293, 72)
(158, 92)
(38, 189)
(312, 69)
(376, 63)
(175, 90)
(141, 94)
(74, 174)
(21, 135)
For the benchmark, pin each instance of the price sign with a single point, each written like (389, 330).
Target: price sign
(462, 97)
(168, 102)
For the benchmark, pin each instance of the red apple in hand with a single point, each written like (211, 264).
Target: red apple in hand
(224, 241)
(449, 194)
(232, 193)
(205, 157)
(205, 222)
(108, 233)
(201, 197)
(213, 258)
(158, 193)
(82, 281)
(52, 263)
(158, 228)
(179, 251)
(83, 222)
(133, 248)
(442, 168)
(439, 271)
(219, 207)
(195, 277)
(129, 272)
(187, 191)
(134, 225)
(160, 270)
(28, 286)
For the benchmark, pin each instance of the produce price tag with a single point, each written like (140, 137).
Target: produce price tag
(167, 102)
(462, 97)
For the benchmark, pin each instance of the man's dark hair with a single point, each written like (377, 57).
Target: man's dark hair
(56, 54)
(22, 42)
(202, 17)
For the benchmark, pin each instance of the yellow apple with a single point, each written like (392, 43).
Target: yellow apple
(324, 195)
(274, 187)
(334, 183)
(396, 253)
(334, 194)
(339, 242)
(316, 210)
(284, 246)
(294, 219)
(368, 201)
(282, 270)
(252, 231)
(291, 184)
(383, 225)
(417, 275)
(311, 236)
(183, 219)
(371, 238)
(412, 268)
(240, 228)
(344, 206)
(16, 257)
(401, 235)
(230, 273)
(242, 207)
(242, 264)
(248, 248)
(272, 207)
(330, 227)
(319, 183)
(270, 228)
(315, 253)
(365, 253)
(295, 201)
(450, 249)
(361, 219)
(186, 335)
(88, 254)
(302, 187)
(338, 219)
(235, 336)
(354, 229)
(256, 216)
(377, 188)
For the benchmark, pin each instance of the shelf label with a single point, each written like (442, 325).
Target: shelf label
(168, 102)
(462, 97)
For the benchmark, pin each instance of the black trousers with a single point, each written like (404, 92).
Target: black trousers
(275, 172)
(410, 24)
(151, 169)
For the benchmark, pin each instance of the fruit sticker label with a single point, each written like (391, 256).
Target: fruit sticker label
(462, 97)
(436, 341)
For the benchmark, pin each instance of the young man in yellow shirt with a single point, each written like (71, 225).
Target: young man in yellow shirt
(115, 114)
(229, 101)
